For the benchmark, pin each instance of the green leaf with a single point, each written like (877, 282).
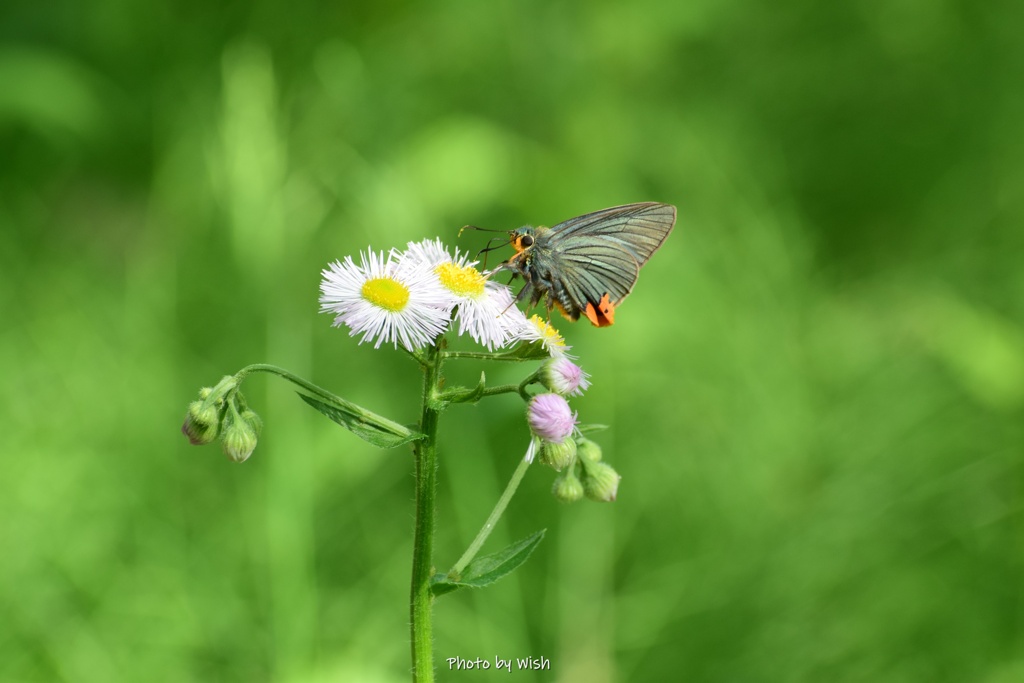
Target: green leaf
(461, 394)
(588, 429)
(533, 350)
(369, 426)
(483, 571)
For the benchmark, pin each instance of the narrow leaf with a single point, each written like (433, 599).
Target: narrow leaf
(463, 394)
(366, 425)
(533, 350)
(587, 429)
(483, 571)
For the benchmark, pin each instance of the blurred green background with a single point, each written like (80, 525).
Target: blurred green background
(816, 389)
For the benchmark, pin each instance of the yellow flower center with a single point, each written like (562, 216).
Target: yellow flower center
(386, 293)
(549, 335)
(465, 281)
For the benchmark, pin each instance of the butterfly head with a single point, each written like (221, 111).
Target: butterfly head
(522, 238)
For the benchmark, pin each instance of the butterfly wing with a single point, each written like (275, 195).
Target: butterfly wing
(638, 228)
(597, 267)
(595, 259)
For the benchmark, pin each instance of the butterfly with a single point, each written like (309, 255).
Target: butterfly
(587, 265)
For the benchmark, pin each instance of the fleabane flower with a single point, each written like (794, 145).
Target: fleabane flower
(385, 300)
(536, 329)
(480, 305)
(550, 418)
(562, 376)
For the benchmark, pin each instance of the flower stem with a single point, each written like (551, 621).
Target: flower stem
(365, 415)
(281, 372)
(512, 388)
(500, 389)
(495, 515)
(484, 355)
(525, 383)
(417, 356)
(421, 600)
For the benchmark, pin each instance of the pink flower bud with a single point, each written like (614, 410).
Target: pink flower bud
(550, 417)
(564, 377)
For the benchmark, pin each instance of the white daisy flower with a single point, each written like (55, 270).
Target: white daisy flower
(484, 308)
(386, 301)
(536, 329)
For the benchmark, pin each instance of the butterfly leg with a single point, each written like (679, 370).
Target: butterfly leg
(527, 290)
(523, 293)
(542, 289)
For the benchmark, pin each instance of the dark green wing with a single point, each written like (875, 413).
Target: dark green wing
(601, 253)
(597, 266)
(638, 228)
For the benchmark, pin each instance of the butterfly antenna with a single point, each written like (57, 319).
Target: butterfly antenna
(502, 242)
(473, 227)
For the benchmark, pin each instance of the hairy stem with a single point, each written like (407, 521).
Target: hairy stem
(484, 355)
(421, 599)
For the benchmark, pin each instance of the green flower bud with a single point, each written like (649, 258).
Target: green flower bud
(558, 454)
(567, 487)
(203, 419)
(202, 422)
(254, 420)
(240, 434)
(600, 482)
(588, 450)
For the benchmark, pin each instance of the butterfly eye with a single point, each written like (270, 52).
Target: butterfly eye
(526, 241)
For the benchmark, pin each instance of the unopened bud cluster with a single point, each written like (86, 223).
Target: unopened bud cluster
(562, 447)
(586, 476)
(222, 411)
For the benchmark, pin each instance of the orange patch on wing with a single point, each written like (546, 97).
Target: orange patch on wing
(604, 314)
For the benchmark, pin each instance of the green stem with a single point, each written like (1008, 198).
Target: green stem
(527, 382)
(464, 395)
(365, 415)
(417, 356)
(495, 515)
(421, 600)
(281, 372)
(511, 389)
(484, 355)
(500, 389)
